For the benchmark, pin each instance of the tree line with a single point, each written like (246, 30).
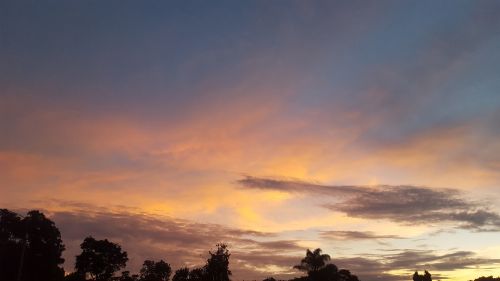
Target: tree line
(31, 250)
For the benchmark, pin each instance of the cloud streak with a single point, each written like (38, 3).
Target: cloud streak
(404, 204)
(355, 235)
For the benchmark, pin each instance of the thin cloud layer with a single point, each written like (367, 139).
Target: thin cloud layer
(402, 204)
(374, 268)
(355, 235)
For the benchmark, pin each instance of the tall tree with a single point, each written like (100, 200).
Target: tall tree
(100, 259)
(30, 247)
(155, 271)
(217, 267)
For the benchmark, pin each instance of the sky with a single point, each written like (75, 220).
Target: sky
(369, 129)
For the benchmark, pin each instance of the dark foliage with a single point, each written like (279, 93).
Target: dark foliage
(313, 261)
(100, 259)
(197, 274)
(30, 247)
(217, 267)
(155, 271)
(181, 274)
(317, 268)
(489, 278)
(426, 277)
(127, 277)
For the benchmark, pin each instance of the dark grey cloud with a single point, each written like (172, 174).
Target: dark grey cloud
(255, 255)
(405, 204)
(355, 235)
(180, 242)
(376, 267)
(427, 259)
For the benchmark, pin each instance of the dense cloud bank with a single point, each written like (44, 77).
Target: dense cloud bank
(255, 255)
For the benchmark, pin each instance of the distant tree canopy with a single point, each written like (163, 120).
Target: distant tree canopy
(489, 278)
(127, 277)
(155, 271)
(181, 274)
(99, 259)
(313, 261)
(317, 268)
(426, 277)
(30, 247)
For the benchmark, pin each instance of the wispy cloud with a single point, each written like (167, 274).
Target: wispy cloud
(355, 235)
(404, 204)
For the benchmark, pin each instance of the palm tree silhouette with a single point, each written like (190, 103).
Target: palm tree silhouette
(313, 261)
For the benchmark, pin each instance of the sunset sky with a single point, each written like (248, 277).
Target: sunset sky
(370, 129)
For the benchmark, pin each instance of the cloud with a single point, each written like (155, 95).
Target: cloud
(180, 242)
(420, 259)
(372, 268)
(404, 204)
(254, 255)
(355, 235)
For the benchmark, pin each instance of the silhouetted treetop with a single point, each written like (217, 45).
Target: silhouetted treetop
(30, 247)
(317, 268)
(181, 274)
(313, 261)
(217, 267)
(489, 278)
(155, 271)
(426, 277)
(100, 259)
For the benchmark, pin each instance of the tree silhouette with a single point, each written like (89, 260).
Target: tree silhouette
(345, 275)
(329, 272)
(217, 267)
(317, 268)
(181, 274)
(155, 271)
(74, 276)
(313, 261)
(197, 274)
(127, 277)
(100, 259)
(30, 247)
(426, 277)
(489, 278)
